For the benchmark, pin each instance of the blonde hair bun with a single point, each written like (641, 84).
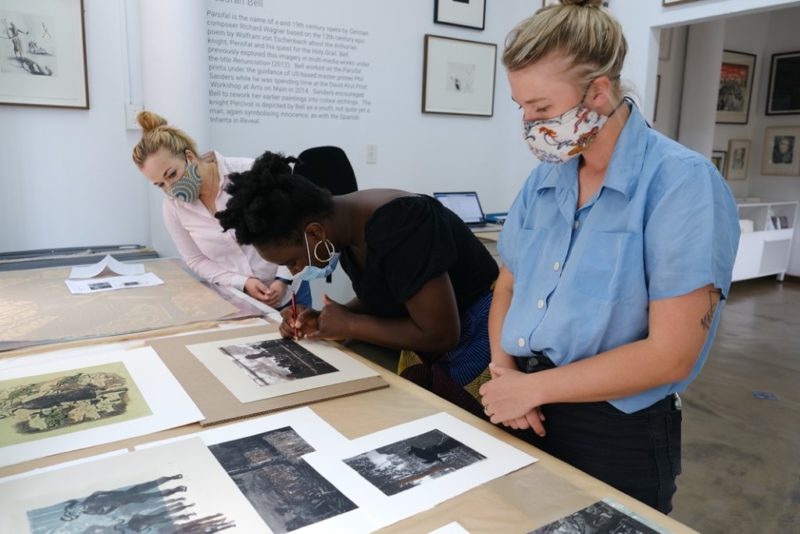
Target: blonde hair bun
(582, 3)
(149, 121)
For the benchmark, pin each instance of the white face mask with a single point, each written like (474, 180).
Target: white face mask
(563, 137)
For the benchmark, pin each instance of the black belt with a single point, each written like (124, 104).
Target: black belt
(534, 363)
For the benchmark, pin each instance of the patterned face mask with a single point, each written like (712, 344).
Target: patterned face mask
(563, 137)
(187, 188)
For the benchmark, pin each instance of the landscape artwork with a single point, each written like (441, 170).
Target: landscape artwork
(266, 366)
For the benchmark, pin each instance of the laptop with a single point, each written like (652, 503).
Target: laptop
(466, 205)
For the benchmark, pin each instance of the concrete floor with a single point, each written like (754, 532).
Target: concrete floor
(741, 454)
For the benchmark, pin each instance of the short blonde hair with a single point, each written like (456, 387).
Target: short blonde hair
(157, 134)
(581, 30)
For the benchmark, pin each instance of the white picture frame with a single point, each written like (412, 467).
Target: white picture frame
(463, 13)
(458, 76)
(43, 54)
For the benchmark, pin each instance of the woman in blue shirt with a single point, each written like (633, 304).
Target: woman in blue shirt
(617, 255)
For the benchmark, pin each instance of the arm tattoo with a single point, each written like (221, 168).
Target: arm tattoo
(713, 296)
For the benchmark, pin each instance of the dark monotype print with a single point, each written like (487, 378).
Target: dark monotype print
(285, 491)
(411, 462)
(277, 360)
(157, 506)
(598, 518)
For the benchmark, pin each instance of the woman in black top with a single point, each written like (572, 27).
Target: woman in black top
(422, 279)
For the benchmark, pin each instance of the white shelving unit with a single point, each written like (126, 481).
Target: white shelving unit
(766, 250)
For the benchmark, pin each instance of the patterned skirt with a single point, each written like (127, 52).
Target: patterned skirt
(458, 374)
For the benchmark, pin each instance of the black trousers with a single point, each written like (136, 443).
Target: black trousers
(637, 453)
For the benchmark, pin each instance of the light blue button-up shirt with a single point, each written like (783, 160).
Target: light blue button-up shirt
(663, 224)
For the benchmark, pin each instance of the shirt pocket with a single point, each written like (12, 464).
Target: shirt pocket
(607, 269)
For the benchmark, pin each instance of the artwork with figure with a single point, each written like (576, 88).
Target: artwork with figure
(733, 87)
(277, 360)
(460, 77)
(783, 149)
(411, 462)
(27, 45)
(47, 405)
(286, 492)
(156, 506)
(597, 518)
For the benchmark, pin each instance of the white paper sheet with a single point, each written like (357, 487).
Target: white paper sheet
(499, 459)
(112, 283)
(110, 263)
(243, 385)
(168, 403)
(450, 528)
(140, 491)
(315, 431)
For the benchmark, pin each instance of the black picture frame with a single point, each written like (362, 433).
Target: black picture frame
(462, 13)
(737, 74)
(783, 95)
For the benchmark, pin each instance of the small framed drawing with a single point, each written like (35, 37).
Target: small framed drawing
(783, 97)
(464, 13)
(458, 76)
(781, 151)
(43, 54)
(739, 153)
(735, 87)
(719, 159)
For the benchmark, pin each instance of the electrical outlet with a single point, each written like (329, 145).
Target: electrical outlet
(372, 154)
(131, 110)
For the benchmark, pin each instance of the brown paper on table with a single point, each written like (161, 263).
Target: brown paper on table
(216, 402)
(36, 307)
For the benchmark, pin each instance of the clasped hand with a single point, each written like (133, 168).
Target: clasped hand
(329, 323)
(271, 295)
(506, 400)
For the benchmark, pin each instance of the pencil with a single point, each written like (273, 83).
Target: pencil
(294, 316)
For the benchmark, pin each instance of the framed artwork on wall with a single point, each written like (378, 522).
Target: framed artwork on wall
(735, 87)
(783, 97)
(781, 151)
(739, 154)
(43, 54)
(458, 76)
(719, 159)
(464, 13)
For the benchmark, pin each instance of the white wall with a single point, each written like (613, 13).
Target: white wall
(780, 35)
(66, 174)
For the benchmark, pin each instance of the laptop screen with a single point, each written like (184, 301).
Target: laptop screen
(465, 205)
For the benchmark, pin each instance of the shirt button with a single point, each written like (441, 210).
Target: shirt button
(576, 224)
(521, 342)
(556, 266)
(540, 304)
